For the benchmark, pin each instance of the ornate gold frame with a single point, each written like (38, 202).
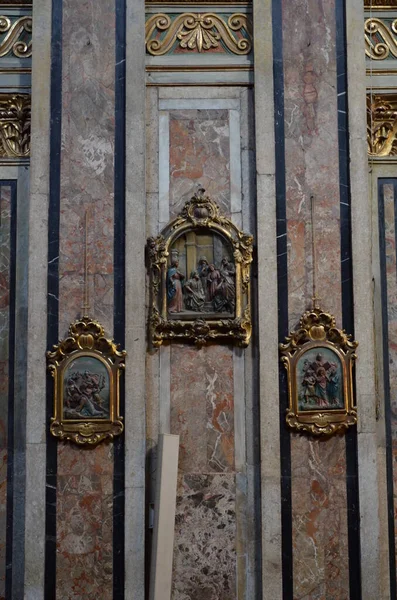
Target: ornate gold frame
(203, 214)
(317, 329)
(86, 339)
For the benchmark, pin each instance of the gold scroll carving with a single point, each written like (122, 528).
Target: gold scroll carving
(382, 125)
(14, 125)
(198, 32)
(380, 3)
(380, 38)
(15, 31)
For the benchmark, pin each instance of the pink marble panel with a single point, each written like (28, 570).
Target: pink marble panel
(85, 478)
(202, 408)
(205, 532)
(319, 507)
(199, 154)
(85, 522)
(5, 229)
(202, 413)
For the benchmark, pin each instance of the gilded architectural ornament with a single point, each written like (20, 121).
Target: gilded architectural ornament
(198, 32)
(200, 278)
(382, 125)
(319, 358)
(380, 38)
(380, 3)
(16, 36)
(86, 368)
(14, 125)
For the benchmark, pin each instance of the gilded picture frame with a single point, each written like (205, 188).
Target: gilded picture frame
(319, 359)
(200, 278)
(86, 369)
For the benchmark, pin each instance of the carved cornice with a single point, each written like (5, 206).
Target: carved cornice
(14, 125)
(382, 125)
(16, 36)
(198, 33)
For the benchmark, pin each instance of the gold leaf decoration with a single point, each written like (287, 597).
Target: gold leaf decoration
(198, 32)
(382, 125)
(14, 125)
(380, 38)
(13, 43)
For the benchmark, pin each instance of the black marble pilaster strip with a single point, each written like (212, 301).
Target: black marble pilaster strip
(386, 378)
(282, 292)
(53, 289)
(352, 489)
(119, 295)
(11, 387)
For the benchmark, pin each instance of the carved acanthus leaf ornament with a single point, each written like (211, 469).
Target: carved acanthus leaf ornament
(382, 125)
(14, 125)
(198, 32)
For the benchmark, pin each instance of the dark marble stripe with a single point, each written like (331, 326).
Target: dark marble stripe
(119, 295)
(353, 506)
(282, 274)
(53, 288)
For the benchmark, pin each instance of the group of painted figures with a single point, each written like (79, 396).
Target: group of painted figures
(82, 397)
(208, 289)
(320, 383)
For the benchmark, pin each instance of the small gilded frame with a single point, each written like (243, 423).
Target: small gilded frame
(200, 278)
(86, 368)
(319, 360)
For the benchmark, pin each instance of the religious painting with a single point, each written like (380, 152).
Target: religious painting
(320, 380)
(319, 360)
(86, 368)
(200, 278)
(86, 391)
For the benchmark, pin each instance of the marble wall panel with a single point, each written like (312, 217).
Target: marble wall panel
(5, 248)
(319, 509)
(202, 408)
(85, 478)
(199, 154)
(205, 532)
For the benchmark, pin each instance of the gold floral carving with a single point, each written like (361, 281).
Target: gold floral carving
(382, 125)
(380, 38)
(14, 30)
(86, 341)
(14, 125)
(198, 32)
(317, 332)
(200, 214)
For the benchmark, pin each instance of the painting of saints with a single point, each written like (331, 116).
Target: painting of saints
(174, 288)
(319, 378)
(194, 294)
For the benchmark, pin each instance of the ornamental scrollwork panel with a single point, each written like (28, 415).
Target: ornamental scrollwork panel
(14, 125)
(167, 33)
(382, 125)
(16, 36)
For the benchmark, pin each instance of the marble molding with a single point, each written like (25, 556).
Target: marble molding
(5, 228)
(319, 509)
(85, 479)
(391, 263)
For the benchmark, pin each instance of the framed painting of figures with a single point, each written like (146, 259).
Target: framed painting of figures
(319, 359)
(200, 278)
(86, 368)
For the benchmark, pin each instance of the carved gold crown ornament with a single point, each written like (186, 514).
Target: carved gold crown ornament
(17, 38)
(15, 125)
(382, 125)
(86, 368)
(202, 216)
(318, 356)
(198, 32)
